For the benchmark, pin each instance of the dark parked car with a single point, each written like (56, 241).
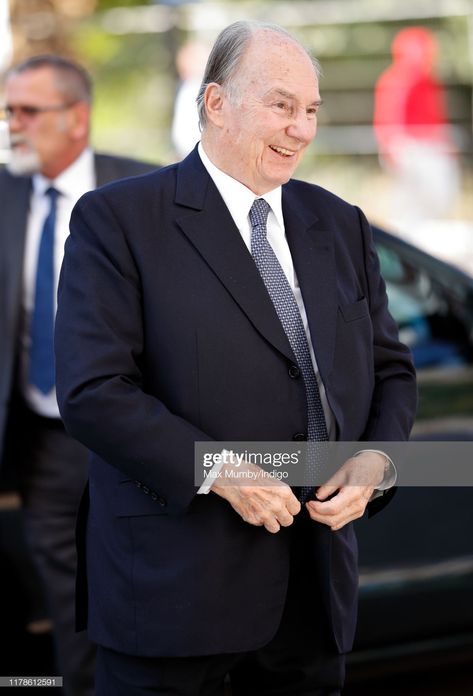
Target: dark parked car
(432, 302)
(416, 557)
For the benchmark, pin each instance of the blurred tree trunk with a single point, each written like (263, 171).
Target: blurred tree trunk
(44, 26)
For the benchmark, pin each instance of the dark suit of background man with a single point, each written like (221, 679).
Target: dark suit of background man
(166, 334)
(48, 103)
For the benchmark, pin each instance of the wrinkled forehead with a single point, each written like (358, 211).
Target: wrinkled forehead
(277, 65)
(273, 59)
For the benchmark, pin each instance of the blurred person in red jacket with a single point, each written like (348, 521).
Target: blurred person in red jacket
(412, 130)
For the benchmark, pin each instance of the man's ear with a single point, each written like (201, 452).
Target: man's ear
(80, 115)
(214, 100)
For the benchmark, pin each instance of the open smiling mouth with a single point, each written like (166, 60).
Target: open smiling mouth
(282, 151)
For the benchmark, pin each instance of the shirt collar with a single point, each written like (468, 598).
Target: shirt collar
(237, 197)
(77, 179)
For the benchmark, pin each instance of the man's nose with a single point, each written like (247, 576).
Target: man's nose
(15, 123)
(302, 127)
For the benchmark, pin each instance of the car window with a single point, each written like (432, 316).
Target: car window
(426, 312)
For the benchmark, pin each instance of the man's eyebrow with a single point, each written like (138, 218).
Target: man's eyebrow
(289, 95)
(281, 93)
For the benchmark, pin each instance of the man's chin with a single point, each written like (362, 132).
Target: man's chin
(23, 163)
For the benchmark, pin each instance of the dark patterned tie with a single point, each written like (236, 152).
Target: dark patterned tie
(42, 320)
(287, 310)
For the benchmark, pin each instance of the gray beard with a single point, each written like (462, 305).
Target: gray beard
(23, 163)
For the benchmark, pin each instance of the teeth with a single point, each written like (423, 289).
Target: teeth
(281, 150)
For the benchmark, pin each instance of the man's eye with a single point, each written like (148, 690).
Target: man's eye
(285, 107)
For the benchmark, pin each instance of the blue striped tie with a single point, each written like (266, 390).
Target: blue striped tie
(287, 310)
(42, 320)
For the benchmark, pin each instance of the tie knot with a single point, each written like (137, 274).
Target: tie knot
(259, 212)
(52, 194)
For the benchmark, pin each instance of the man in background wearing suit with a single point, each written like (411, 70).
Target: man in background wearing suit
(48, 106)
(218, 299)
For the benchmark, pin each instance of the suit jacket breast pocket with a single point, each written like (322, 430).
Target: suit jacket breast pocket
(354, 310)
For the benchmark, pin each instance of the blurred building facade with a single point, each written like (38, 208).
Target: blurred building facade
(130, 47)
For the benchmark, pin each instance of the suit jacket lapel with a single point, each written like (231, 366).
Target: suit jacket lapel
(313, 257)
(14, 221)
(210, 228)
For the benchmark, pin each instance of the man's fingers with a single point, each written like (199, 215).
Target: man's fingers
(272, 526)
(335, 482)
(285, 518)
(348, 505)
(268, 521)
(275, 516)
(325, 491)
(268, 506)
(272, 506)
(293, 505)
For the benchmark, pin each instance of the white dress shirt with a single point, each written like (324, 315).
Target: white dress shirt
(72, 183)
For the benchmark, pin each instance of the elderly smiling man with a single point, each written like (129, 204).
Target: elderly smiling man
(220, 300)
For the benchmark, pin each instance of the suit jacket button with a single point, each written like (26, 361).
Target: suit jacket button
(294, 372)
(299, 437)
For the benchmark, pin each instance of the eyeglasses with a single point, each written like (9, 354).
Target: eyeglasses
(26, 112)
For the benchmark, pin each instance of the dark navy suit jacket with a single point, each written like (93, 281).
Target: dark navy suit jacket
(166, 336)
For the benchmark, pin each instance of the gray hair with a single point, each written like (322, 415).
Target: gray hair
(226, 54)
(72, 80)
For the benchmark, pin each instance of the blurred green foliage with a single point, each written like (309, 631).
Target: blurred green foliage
(134, 82)
(108, 4)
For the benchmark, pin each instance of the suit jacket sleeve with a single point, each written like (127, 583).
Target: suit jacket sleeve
(394, 399)
(100, 361)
